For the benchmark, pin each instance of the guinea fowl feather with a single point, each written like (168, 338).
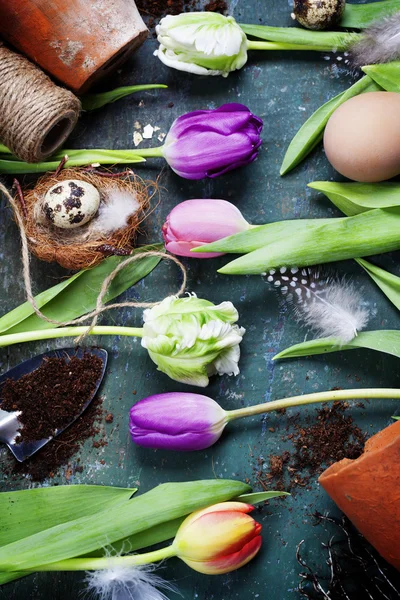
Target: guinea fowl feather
(380, 43)
(329, 305)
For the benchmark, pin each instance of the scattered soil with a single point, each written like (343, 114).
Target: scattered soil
(51, 396)
(316, 445)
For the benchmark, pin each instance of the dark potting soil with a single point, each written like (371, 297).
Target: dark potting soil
(322, 441)
(60, 453)
(153, 10)
(51, 396)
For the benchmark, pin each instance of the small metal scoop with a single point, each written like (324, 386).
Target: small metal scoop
(9, 423)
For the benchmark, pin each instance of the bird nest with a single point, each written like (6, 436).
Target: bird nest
(107, 233)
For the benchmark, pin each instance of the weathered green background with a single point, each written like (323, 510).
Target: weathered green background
(283, 89)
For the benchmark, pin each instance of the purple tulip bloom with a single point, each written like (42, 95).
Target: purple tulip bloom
(208, 143)
(197, 222)
(176, 421)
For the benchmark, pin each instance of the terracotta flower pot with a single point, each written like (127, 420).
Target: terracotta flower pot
(77, 41)
(367, 490)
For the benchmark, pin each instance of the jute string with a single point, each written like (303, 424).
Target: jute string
(100, 307)
(36, 115)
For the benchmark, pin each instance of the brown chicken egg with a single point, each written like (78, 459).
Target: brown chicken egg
(362, 137)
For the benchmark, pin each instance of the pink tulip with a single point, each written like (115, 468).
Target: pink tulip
(197, 222)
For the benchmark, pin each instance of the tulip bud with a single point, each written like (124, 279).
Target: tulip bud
(208, 143)
(176, 421)
(203, 43)
(218, 539)
(197, 222)
(191, 339)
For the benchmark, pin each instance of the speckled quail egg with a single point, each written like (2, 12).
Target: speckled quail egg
(318, 14)
(71, 203)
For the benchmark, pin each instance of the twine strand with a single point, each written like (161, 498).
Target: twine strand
(100, 306)
(36, 115)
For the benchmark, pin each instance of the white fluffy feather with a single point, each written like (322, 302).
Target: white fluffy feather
(114, 213)
(380, 43)
(126, 583)
(330, 306)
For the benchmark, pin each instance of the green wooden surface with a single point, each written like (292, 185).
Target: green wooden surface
(283, 89)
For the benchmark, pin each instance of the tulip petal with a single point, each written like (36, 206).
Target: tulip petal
(226, 564)
(184, 249)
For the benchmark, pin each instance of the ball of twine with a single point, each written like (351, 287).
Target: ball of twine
(36, 115)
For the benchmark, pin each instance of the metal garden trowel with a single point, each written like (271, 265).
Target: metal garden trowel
(9, 423)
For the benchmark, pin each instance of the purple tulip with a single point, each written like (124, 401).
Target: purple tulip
(208, 143)
(176, 421)
(197, 222)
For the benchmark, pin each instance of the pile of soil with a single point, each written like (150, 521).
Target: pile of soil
(60, 453)
(318, 444)
(51, 396)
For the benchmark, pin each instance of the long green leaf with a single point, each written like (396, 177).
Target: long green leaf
(389, 283)
(371, 232)
(359, 16)
(355, 198)
(257, 497)
(162, 504)
(94, 101)
(80, 295)
(321, 40)
(27, 512)
(259, 236)
(387, 75)
(387, 341)
(311, 133)
(22, 312)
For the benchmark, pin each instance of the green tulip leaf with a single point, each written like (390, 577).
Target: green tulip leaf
(78, 294)
(319, 40)
(388, 283)
(359, 16)
(311, 133)
(387, 75)
(371, 232)
(258, 497)
(387, 341)
(354, 198)
(94, 101)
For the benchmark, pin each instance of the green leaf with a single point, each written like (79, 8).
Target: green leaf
(28, 512)
(355, 198)
(259, 236)
(321, 40)
(387, 75)
(396, 418)
(258, 497)
(94, 101)
(387, 341)
(311, 133)
(164, 503)
(389, 283)
(359, 16)
(371, 232)
(79, 295)
(4, 149)
(22, 312)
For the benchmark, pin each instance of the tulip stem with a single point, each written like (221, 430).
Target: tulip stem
(334, 396)
(108, 562)
(47, 334)
(252, 45)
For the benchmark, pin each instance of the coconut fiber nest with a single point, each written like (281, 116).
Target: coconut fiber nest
(124, 202)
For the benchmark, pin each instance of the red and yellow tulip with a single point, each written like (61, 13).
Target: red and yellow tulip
(218, 539)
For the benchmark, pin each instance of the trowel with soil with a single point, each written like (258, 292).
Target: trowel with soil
(42, 396)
